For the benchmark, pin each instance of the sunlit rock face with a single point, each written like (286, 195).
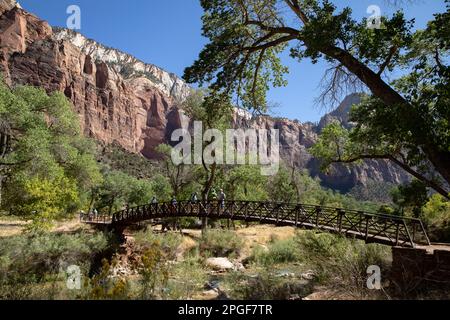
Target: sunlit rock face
(137, 105)
(126, 65)
(119, 99)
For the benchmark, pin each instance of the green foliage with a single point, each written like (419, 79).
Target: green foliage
(214, 111)
(410, 198)
(281, 251)
(333, 145)
(154, 271)
(161, 188)
(169, 242)
(245, 182)
(187, 278)
(281, 188)
(179, 177)
(376, 191)
(436, 215)
(46, 145)
(32, 259)
(265, 286)
(44, 201)
(120, 189)
(220, 243)
(296, 186)
(103, 287)
(341, 261)
(135, 165)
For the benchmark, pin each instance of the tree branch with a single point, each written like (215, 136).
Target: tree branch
(295, 6)
(392, 52)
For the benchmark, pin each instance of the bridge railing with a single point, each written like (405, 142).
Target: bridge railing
(96, 218)
(371, 227)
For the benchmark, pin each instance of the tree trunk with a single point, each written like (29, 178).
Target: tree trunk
(91, 203)
(373, 81)
(1, 190)
(440, 161)
(205, 193)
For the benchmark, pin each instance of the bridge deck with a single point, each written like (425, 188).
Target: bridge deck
(370, 227)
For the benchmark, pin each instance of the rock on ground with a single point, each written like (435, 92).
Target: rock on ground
(220, 264)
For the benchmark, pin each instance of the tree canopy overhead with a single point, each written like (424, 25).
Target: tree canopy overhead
(407, 120)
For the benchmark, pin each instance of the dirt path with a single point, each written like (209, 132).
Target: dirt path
(12, 226)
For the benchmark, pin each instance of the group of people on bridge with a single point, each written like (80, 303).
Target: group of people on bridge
(214, 196)
(93, 214)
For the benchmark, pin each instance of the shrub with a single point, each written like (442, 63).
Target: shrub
(103, 287)
(436, 215)
(265, 286)
(169, 242)
(35, 258)
(220, 243)
(187, 278)
(280, 251)
(340, 261)
(154, 271)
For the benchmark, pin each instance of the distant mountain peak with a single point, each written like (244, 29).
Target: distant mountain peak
(341, 113)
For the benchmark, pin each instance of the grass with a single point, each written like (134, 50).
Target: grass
(265, 286)
(280, 251)
(187, 279)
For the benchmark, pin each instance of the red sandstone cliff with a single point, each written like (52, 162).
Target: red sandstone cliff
(132, 109)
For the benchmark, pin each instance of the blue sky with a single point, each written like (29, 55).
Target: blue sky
(167, 33)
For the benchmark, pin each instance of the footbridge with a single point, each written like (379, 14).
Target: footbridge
(370, 227)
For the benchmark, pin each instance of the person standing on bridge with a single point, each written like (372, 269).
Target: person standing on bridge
(194, 198)
(222, 197)
(154, 200)
(174, 205)
(93, 215)
(194, 201)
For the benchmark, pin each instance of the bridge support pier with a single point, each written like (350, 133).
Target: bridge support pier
(420, 267)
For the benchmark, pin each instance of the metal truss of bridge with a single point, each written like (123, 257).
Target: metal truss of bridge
(370, 227)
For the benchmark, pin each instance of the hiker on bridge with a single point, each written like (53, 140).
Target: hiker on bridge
(82, 215)
(222, 197)
(194, 198)
(194, 201)
(174, 203)
(154, 200)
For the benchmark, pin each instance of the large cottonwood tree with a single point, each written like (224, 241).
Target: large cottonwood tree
(407, 120)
